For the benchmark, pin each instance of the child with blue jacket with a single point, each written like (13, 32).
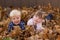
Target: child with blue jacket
(15, 16)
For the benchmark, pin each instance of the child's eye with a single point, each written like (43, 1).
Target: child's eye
(17, 17)
(13, 18)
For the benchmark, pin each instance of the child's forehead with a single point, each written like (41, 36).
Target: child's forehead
(15, 16)
(38, 17)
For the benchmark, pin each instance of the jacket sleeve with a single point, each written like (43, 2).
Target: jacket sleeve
(22, 25)
(10, 27)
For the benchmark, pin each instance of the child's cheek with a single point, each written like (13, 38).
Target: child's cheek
(39, 21)
(12, 19)
(19, 19)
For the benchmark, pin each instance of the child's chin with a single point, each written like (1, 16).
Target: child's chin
(16, 23)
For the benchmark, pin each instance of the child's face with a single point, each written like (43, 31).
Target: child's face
(16, 19)
(37, 19)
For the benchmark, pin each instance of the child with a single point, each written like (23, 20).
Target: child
(15, 16)
(36, 21)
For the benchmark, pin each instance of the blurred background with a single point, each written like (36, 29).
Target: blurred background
(28, 3)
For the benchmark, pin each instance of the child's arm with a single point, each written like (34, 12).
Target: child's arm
(30, 22)
(22, 25)
(10, 27)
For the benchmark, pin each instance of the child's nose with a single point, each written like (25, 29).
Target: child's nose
(16, 19)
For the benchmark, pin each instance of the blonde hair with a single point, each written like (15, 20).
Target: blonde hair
(15, 12)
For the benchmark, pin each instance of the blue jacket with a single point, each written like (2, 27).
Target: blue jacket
(49, 17)
(21, 24)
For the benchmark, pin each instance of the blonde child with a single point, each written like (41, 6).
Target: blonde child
(15, 16)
